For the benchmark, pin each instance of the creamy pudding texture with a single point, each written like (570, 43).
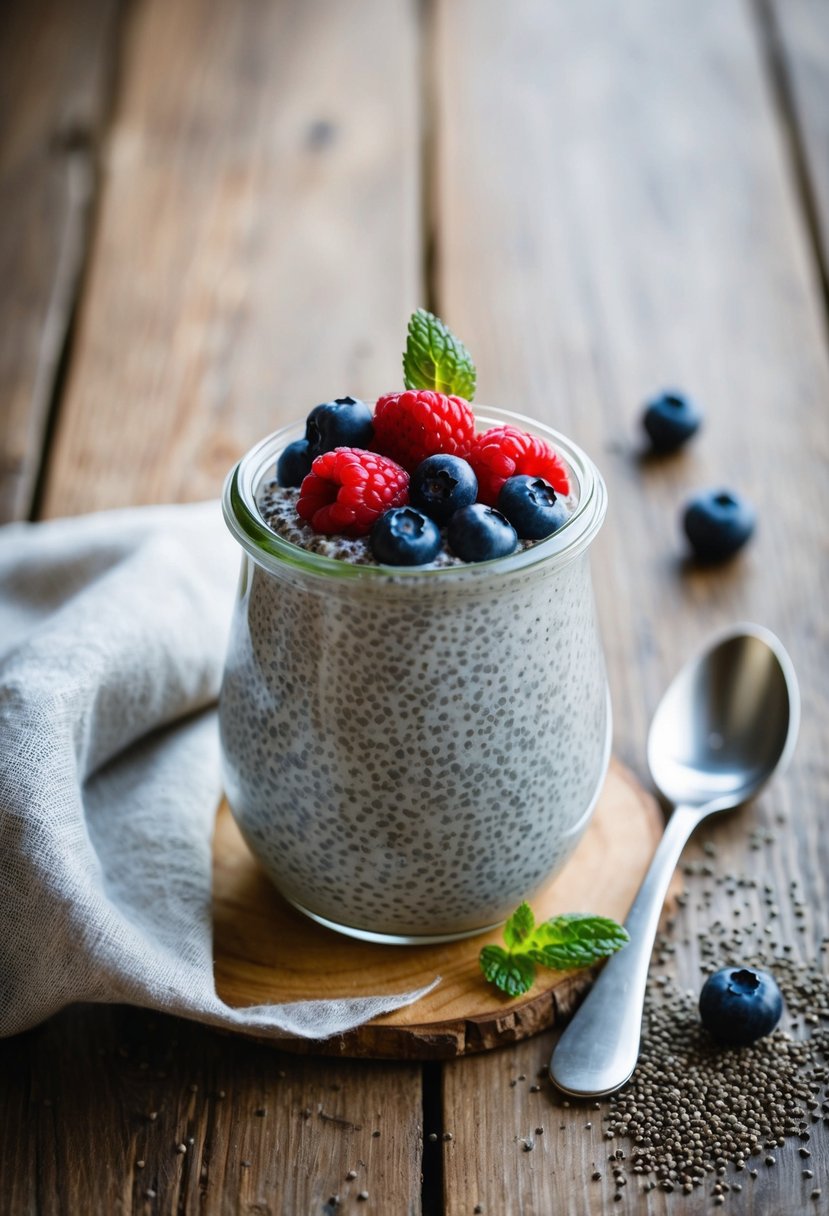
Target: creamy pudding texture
(410, 753)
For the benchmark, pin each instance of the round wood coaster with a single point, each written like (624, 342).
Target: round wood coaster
(266, 951)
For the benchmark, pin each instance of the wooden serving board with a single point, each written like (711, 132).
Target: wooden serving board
(266, 951)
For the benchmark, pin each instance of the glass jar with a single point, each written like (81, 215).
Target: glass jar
(411, 752)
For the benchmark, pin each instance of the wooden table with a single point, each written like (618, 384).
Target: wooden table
(216, 214)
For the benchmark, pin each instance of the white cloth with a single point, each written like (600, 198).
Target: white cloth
(112, 637)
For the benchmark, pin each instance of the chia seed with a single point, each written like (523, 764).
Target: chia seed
(694, 1108)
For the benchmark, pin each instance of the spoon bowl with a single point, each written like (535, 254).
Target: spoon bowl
(728, 721)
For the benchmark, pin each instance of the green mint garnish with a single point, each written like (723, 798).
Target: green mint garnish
(435, 359)
(572, 940)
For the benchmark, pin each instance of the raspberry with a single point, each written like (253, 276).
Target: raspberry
(348, 489)
(418, 423)
(504, 452)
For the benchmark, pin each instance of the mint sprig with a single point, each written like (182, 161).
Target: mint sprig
(435, 359)
(571, 940)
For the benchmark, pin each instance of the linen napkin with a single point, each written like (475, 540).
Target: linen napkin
(112, 636)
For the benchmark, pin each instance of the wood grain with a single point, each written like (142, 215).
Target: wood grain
(799, 32)
(643, 229)
(258, 247)
(267, 951)
(94, 1093)
(55, 68)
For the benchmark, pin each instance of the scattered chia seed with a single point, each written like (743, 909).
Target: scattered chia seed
(362, 1195)
(694, 1108)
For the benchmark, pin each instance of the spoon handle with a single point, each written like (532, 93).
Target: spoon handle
(598, 1051)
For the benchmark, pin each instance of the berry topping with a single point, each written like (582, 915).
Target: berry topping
(504, 451)
(739, 1005)
(410, 426)
(479, 533)
(670, 419)
(348, 489)
(293, 464)
(718, 523)
(343, 423)
(531, 506)
(441, 485)
(405, 537)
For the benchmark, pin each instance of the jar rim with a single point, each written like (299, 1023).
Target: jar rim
(278, 555)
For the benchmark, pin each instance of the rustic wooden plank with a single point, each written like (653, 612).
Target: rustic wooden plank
(797, 32)
(55, 65)
(616, 215)
(258, 243)
(105, 1097)
(257, 250)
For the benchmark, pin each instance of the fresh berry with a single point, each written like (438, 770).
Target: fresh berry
(410, 426)
(670, 419)
(718, 523)
(343, 423)
(441, 485)
(348, 489)
(739, 1005)
(293, 464)
(531, 506)
(405, 537)
(478, 533)
(504, 451)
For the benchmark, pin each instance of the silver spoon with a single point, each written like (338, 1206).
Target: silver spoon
(727, 722)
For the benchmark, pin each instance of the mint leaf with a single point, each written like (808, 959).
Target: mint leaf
(435, 359)
(572, 940)
(512, 973)
(575, 940)
(519, 926)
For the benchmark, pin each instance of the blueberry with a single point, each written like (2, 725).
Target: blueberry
(294, 463)
(478, 533)
(531, 506)
(739, 1005)
(670, 420)
(343, 423)
(441, 485)
(718, 523)
(405, 537)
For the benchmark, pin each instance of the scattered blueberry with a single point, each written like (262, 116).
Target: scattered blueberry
(670, 420)
(531, 506)
(403, 536)
(343, 423)
(739, 1005)
(478, 533)
(294, 464)
(718, 523)
(441, 485)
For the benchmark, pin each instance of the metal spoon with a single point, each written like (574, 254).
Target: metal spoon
(727, 722)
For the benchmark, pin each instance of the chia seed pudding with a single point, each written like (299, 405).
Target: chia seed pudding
(411, 752)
